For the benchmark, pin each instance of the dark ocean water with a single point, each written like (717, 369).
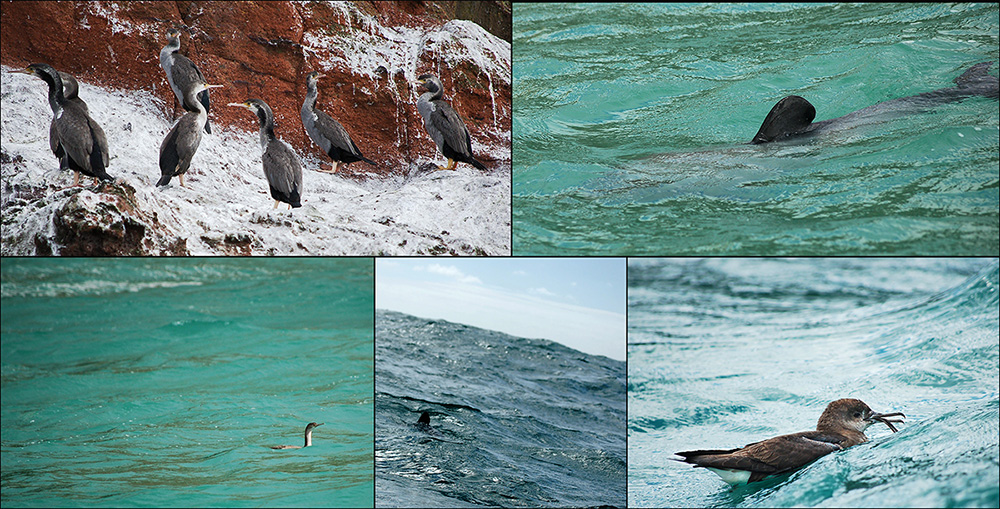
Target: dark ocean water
(515, 422)
(726, 352)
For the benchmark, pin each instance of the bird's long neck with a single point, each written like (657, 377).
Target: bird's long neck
(311, 94)
(428, 97)
(265, 137)
(192, 99)
(266, 128)
(168, 51)
(309, 437)
(56, 98)
(173, 45)
(202, 116)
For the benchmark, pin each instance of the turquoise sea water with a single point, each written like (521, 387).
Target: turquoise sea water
(134, 382)
(727, 352)
(630, 125)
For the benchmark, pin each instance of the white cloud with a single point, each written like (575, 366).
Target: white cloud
(541, 291)
(452, 272)
(532, 316)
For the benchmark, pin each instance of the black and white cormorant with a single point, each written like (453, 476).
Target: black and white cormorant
(281, 165)
(327, 132)
(71, 89)
(182, 141)
(182, 74)
(75, 138)
(309, 437)
(444, 124)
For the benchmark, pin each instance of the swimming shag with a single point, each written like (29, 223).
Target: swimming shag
(182, 74)
(444, 125)
(327, 132)
(309, 437)
(281, 165)
(182, 141)
(75, 138)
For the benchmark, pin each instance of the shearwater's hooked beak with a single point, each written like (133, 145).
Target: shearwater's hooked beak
(884, 418)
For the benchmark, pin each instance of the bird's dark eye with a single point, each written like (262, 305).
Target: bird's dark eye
(857, 414)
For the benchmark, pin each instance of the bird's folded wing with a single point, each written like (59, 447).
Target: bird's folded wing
(768, 457)
(790, 452)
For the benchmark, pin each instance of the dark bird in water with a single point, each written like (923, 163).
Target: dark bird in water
(444, 125)
(183, 75)
(181, 143)
(429, 432)
(327, 132)
(309, 438)
(793, 115)
(281, 165)
(842, 425)
(76, 139)
(425, 418)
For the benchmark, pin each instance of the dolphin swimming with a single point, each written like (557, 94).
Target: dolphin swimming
(793, 116)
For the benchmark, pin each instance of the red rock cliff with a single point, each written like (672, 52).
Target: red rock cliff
(370, 52)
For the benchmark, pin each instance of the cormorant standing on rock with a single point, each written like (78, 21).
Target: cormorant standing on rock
(444, 124)
(281, 165)
(327, 132)
(181, 143)
(183, 75)
(75, 138)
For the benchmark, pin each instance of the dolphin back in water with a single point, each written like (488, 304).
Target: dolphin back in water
(793, 115)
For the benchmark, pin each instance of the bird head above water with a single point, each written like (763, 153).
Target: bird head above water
(852, 414)
(308, 436)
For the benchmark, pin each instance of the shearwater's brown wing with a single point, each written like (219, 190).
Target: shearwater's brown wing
(731, 459)
(769, 457)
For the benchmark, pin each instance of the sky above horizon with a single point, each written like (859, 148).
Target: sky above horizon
(578, 302)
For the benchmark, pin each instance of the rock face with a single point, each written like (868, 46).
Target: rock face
(370, 52)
